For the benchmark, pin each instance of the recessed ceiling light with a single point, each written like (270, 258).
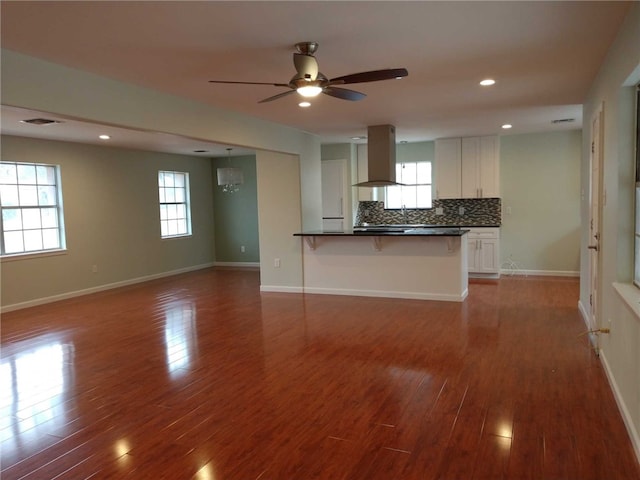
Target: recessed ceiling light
(507, 126)
(104, 137)
(487, 82)
(304, 104)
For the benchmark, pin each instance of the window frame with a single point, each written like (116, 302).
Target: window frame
(164, 201)
(636, 274)
(57, 204)
(399, 179)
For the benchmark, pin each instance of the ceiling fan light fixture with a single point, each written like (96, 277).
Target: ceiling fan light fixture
(309, 82)
(309, 91)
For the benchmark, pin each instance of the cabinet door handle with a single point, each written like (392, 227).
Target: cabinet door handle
(340, 207)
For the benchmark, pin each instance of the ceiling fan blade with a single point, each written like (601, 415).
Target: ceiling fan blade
(343, 93)
(306, 65)
(250, 83)
(275, 97)
(372, 76)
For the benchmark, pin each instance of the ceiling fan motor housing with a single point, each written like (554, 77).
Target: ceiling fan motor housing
(307, 48)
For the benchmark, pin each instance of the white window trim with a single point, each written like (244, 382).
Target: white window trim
(186, 203)
(62, 248)
(384, 189)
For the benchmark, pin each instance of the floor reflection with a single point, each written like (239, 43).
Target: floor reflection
(34, 387)
(180, 334)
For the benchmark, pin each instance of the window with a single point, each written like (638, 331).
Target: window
(636, 277)
(416, 192)
(31, 204)
(175, 211)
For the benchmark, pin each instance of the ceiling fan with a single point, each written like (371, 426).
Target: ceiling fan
(310, 82)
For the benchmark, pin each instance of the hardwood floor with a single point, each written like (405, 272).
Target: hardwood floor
(200, 376)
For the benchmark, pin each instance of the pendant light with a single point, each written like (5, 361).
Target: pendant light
(230, 178)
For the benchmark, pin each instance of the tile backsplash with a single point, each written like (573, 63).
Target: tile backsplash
(476, 212)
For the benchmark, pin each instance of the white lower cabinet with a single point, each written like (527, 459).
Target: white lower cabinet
(484, 250)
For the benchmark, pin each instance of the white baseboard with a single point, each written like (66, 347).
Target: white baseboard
(624, 411)
(583, 313)
(593, 339)
(540, 273)
(386, 294)
(280, 289)
(251, 265)
(100, 288)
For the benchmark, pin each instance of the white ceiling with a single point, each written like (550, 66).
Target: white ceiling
(543, 55)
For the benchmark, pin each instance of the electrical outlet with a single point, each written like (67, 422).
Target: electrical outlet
(94, 268)
(439, 211)
(276, 262)
(242, 249)
(460, 210)
(508, 210)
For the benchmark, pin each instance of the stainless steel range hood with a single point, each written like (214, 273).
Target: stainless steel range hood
(381, 157)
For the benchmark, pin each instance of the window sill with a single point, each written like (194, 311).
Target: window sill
(631, 296)
(32, 255)
(173, 237)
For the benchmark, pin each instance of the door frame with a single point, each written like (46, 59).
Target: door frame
(595, 241)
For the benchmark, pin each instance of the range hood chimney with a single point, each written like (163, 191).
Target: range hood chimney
(381, 157)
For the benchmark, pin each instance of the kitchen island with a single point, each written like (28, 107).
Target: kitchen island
(392, 261)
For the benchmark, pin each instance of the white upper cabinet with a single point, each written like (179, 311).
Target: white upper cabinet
(480, 167)
(467, 168)
(447, 171)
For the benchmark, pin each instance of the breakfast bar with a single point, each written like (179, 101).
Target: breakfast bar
(416, 262)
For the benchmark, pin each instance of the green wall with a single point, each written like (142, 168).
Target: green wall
(236, 214)
(112, 220)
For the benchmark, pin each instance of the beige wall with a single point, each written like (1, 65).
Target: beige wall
(111, 216)
(279, 217)
(540, 185)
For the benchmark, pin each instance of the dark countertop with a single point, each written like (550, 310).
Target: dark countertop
(395, 232)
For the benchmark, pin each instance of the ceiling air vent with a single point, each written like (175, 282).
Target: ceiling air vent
(40, 121)
(564, 120)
